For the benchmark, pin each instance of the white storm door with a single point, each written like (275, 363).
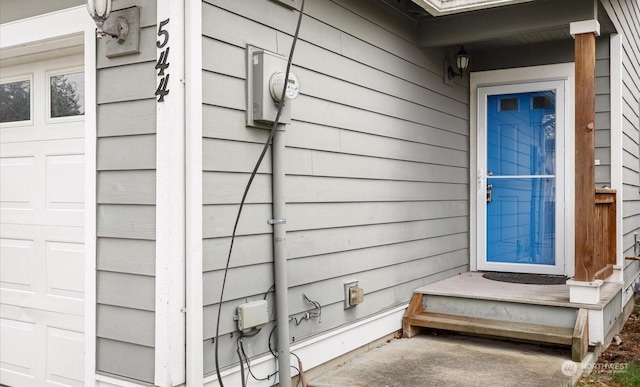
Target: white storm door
(521, 176)
(42, 255)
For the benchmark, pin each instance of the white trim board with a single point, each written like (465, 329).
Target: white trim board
(170, 351)
(193, 171)
(563, 71)
(322, 348)
(31, 36)
(616, 147)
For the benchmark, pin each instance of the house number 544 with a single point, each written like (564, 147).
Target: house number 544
(162, 64)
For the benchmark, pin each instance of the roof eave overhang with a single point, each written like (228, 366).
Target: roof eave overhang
(449, 7)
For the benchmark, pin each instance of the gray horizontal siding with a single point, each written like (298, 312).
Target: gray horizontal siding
(376, 164)
(128, 187)
(125, 359)
(127, 118)
(126, 160)
(625, 16)
(127, 325)
(127, 256)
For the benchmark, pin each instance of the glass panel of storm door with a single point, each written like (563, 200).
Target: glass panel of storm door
(521, 181)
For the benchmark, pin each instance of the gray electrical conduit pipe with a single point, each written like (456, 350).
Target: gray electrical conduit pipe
(280, 258)
(279, 235)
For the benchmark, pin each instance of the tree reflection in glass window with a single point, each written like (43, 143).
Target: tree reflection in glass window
(15, 101)
(67, 95)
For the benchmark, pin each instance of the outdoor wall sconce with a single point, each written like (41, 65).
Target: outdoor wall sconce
(123, 26)
(462, 63)
(100, 10)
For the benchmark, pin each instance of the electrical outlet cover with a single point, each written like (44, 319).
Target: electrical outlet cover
(347, 295)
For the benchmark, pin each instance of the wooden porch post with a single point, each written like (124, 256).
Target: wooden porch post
(585, 60)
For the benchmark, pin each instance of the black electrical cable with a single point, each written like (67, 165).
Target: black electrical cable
(271, 334)
(244, 384)
(269, 290)
(275, 355)
(246, 359)
(246, 190)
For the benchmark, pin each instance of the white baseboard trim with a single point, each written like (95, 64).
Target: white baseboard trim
(322, 348)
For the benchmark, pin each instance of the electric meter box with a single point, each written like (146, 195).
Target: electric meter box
(265, 84)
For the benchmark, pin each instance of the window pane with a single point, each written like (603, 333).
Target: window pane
(15, 101)
(67, 95)
(508, 104)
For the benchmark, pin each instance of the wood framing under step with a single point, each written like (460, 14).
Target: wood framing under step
(577, 338)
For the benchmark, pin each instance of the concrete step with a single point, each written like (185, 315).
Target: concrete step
(557, 316)
(512, 320)
(482, 326)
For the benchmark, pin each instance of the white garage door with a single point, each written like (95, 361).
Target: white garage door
(42, 222)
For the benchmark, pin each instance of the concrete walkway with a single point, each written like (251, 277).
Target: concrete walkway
(452, 360)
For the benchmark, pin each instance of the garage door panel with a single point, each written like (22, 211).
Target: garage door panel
(30, 337)
(17, 258)
(65, 349)
(18, 342)
(65, 270)
(65, 182)
(43, 267)
(43, 183)
(16, 182)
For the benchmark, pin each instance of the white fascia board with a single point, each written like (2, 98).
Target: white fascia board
(448, 7)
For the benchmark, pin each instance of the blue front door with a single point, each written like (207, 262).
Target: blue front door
(521, 177)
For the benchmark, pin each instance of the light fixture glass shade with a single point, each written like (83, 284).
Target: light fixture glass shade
(99, 10)
(462, 59)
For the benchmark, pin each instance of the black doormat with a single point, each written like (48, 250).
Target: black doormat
(526, 278)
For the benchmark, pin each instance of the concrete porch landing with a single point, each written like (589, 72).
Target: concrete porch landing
(473, 285)
(451, 361)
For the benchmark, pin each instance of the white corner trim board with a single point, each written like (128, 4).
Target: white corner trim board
(193, 198)
(323, 348)
(170, 351)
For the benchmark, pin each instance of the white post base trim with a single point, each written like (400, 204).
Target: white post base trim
(617, 276)
(322, 348)
(583, 292)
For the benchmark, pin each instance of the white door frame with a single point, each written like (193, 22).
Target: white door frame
(58, 30)
(558, 72)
